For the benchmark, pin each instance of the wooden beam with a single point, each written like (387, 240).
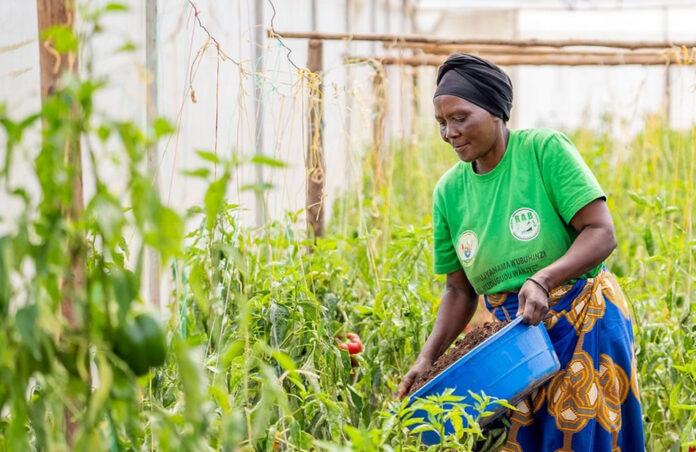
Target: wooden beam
(448, 49)
(314, 162)
(531, 60)
(425, 39)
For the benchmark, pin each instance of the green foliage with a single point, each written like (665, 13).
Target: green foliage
(650, 185)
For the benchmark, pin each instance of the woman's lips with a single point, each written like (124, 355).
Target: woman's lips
(460, 148)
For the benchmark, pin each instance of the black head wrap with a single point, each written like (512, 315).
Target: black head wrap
(478, 81)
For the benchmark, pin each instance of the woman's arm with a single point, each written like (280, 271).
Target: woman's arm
(595, 241)
(457, 306)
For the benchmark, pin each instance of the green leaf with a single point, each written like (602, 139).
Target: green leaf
(127, 47)
(648, 240)
(684, 406)
(222, 398)
(100, 395)
(257, 188)
(108, 215)
(26, 327)
(202, 173)
(115, 7)
(126, 286)
(215, 200)
(199, 286)
(259, 159)
(103, 132)
(63, 37)
(363, 310)
(193, 382)
(638, 199)
(209, 156)
(168, 235)
(424, 428)
(5, 266)
(232, 350)
(284, 360)
(162, 127)
(506, 404)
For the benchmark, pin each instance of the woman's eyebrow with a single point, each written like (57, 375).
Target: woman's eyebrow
(456, 111)
(460, 111)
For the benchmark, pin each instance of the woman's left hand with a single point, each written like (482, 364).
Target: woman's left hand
(533, 303)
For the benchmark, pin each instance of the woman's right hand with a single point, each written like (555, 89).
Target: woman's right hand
(457, 306)
(418, 369)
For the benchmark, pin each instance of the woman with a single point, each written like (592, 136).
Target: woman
(522, 220)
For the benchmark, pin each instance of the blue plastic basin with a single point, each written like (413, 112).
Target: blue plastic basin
(508, 365)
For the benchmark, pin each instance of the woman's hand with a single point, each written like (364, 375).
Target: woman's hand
(411, 376)
(533, 303)
(458, 304)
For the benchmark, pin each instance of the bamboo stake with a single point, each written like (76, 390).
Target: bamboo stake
(425, 39)
(534, 60)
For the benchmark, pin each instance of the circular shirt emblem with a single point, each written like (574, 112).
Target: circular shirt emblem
(467, 244)
(524, 224)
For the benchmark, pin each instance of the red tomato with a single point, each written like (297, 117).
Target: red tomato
(353, 337)
(692, 448)
(354, 348)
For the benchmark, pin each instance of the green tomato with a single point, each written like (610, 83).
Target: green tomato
(141, 344)
(154, 338)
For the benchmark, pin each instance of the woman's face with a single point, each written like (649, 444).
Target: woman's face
(472, 131)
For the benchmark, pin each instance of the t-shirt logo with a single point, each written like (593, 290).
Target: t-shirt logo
(467, 244)
(524, 224)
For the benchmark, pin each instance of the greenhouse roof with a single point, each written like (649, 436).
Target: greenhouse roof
(551, 4)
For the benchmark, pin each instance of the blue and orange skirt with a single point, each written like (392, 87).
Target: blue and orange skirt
(593, 403)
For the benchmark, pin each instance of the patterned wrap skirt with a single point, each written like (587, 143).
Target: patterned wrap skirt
(593, 403)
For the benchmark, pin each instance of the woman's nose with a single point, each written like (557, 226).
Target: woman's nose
(450, 132)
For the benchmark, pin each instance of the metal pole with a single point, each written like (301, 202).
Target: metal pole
(668, 68)
(257, 55)
(314, 15)
(348, 74)
(151, 109)
(373, 24)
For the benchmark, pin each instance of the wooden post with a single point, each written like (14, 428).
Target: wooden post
(379, 113)
(314, 161)
(51, 13)
(151, 40)
(52, 66)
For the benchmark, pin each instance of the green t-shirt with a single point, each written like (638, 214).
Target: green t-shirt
(503, 226)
